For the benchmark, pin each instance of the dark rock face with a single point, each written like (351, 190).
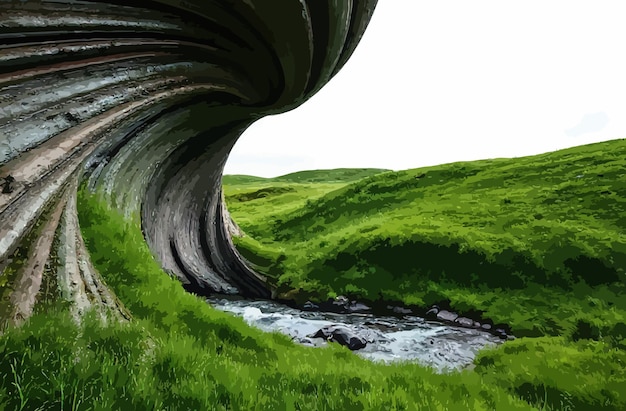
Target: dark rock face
(342, 335)
(145, 100)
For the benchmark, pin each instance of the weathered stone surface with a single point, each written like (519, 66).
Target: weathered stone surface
(99, 103)
(342, 335)
(464, 322)
(356, 307)
(448, 316)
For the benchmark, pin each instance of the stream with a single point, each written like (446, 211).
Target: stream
(409, 338)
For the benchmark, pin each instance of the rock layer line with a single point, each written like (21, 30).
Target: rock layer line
(144, 101)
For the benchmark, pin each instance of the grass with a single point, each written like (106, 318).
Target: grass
(285, 193)
(179, 353)
(537, 242)
(337, 175)
(399, 236)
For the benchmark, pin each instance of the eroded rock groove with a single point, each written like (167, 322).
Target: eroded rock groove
(145, 100)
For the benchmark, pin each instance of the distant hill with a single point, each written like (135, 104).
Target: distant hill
(309, 176)
(236, 179)
(330, 176)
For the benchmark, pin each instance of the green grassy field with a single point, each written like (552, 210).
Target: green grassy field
(537, 243)
(178, 353)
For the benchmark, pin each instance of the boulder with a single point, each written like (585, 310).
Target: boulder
(486, 327)
(342, 335)
(448, 316)
(464, 322)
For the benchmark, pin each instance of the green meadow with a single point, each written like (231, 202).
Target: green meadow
(538, 243)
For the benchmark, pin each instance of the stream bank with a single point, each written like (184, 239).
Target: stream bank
(386, 338)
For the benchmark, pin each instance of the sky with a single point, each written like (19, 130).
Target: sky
(435, 82)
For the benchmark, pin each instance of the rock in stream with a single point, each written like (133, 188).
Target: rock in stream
(378, 338)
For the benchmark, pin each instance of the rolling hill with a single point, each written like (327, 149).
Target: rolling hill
(541, 231)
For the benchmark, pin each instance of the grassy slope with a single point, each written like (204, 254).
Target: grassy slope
(179, 353)
(536, 242)
(286, 193)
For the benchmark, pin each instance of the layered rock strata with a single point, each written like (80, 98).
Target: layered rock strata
(145, 100)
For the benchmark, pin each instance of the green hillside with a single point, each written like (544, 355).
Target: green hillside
(537, 243)
(178, 353)
(330, 176)
(517, 239)
(337, 175)
(242, 179)
(285, 193)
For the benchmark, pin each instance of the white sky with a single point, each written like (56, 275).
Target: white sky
(440, 81)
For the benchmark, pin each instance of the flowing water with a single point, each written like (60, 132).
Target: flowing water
(410, 338)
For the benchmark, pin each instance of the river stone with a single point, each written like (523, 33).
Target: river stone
(310, 306)
(445, 315)
(500, 333)
(341, 300)
(464, 322)
(401, 310)
(342, 335)
(358, 307)
(339, 304)
(486, 327)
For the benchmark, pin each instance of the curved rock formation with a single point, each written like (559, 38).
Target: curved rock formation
(146, 100)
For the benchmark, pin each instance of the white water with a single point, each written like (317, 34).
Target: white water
(409, 338)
